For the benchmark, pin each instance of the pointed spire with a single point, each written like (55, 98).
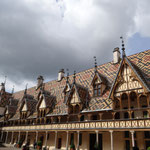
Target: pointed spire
(123, 48)
(67, 76)
(95, 63)
(12, 90)
(25, 91)
(74, 77)
(5, 80)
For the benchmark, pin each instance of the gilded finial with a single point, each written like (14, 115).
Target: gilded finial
(95, 62)
(123, 48)
(5, 80)
(12, 90)
(74, 77)
(25, 91)
(67, 75)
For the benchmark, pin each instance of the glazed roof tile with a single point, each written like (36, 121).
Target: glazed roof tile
(109, 71)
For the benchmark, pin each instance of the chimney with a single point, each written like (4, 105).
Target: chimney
(61, 74)
(40, 80)
(116, 55)
(2, 87)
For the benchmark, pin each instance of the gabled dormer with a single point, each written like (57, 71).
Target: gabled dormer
(129, 79)
(46, 103)
(99, 82)
(77, 98)
(129, 89)
(9, 112)
(27, 106)
(23, 111)
(67, 88)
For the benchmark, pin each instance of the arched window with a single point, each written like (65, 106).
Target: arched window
(116, 104)
(143, 101)
(133, 100)
(124, 101)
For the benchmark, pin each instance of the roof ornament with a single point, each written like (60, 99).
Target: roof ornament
(95, 60)
(123, 48)
(25, 91)
(12, 90)
(67, 75)
(74, 77)
(5, 79)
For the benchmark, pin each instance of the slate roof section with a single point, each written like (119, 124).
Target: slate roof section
(109, 71)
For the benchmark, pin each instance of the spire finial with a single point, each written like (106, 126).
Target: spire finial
(123, 48)
(95, 62)
(5, 80)
(12, 90)
(74, 77)
(67, 75)
(25, 91)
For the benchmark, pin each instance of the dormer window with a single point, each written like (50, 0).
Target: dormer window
(97, 89)
(99, 84)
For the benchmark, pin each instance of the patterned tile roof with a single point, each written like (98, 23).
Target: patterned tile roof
(108, 71)
(11, 109)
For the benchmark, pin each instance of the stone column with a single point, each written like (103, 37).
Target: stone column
(96, 137)
(55, 139)
(2, 132)
(111, 139)
(132, 135)
(6, 137)
(67, 139)
(46, 138)
(78, 136)
(12, 136)
(26, 137)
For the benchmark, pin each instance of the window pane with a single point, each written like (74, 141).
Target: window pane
(95, 92)
(99, 86)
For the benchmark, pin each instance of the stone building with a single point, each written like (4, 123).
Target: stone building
(108, 106)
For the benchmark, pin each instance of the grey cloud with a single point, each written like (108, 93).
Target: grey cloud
(35, 40)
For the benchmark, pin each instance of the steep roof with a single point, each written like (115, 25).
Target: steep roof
(140, 61)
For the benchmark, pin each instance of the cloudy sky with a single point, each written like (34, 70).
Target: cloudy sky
(39, 37)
